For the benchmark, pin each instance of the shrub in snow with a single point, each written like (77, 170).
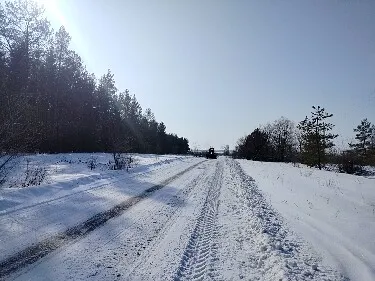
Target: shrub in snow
(91, 163)
(122, 162)
(349, 163)
(7, 163)
(34, 175)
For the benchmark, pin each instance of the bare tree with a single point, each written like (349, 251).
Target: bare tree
(226, 150)
(283, 138)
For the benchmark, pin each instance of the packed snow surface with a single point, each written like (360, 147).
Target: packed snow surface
(186, 218)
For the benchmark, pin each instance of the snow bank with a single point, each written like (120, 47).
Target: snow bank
(72, 193)
(67, 167)
(334, 212)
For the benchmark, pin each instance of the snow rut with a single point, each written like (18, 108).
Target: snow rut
(274, 251)
(34, 253)
(198, 259)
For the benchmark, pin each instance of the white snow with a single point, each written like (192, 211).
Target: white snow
(334, 212)
(31, 214)
(65, 168)
(211, 219)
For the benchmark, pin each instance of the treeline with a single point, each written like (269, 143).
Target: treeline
(310, 142)
(50, 103)
(272, 142)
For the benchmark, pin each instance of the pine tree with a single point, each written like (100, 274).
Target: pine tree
(363, 136)
(50, 103)
(257, 146)
(316, 136)
(372, 138)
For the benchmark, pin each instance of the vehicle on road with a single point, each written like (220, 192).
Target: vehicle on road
(211, 153)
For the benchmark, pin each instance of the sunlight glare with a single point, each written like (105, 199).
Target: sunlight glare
(52, 10)
(56, 12)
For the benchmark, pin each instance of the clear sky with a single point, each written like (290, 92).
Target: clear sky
(215, 70)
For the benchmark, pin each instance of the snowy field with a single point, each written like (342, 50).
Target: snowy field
(334, 212)
(185, 218)
(73, 193)
(68, 168)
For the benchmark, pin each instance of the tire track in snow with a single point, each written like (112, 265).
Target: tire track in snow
(198, 259)
(124, 243)
(275, 252)
(34, 253)
(138, 271)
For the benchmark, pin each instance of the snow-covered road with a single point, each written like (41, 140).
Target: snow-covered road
(192, 220)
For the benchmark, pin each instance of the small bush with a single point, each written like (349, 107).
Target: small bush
(7, 163)
(350, 163)
(91, 163)
(122, 162)
(34, 175)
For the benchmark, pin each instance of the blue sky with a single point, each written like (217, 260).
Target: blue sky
(215, 70)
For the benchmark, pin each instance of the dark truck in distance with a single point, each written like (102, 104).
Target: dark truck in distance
(211, 154)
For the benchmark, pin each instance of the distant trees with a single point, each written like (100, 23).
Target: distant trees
(311, 143)
(273, 142)
(282, 137)
(50, 103)
(281, 141)
(316, 137)
(255, 146)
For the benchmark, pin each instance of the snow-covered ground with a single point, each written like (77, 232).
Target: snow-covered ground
(68, 168)
(186, 218)
(75, 193)
(334, 212)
